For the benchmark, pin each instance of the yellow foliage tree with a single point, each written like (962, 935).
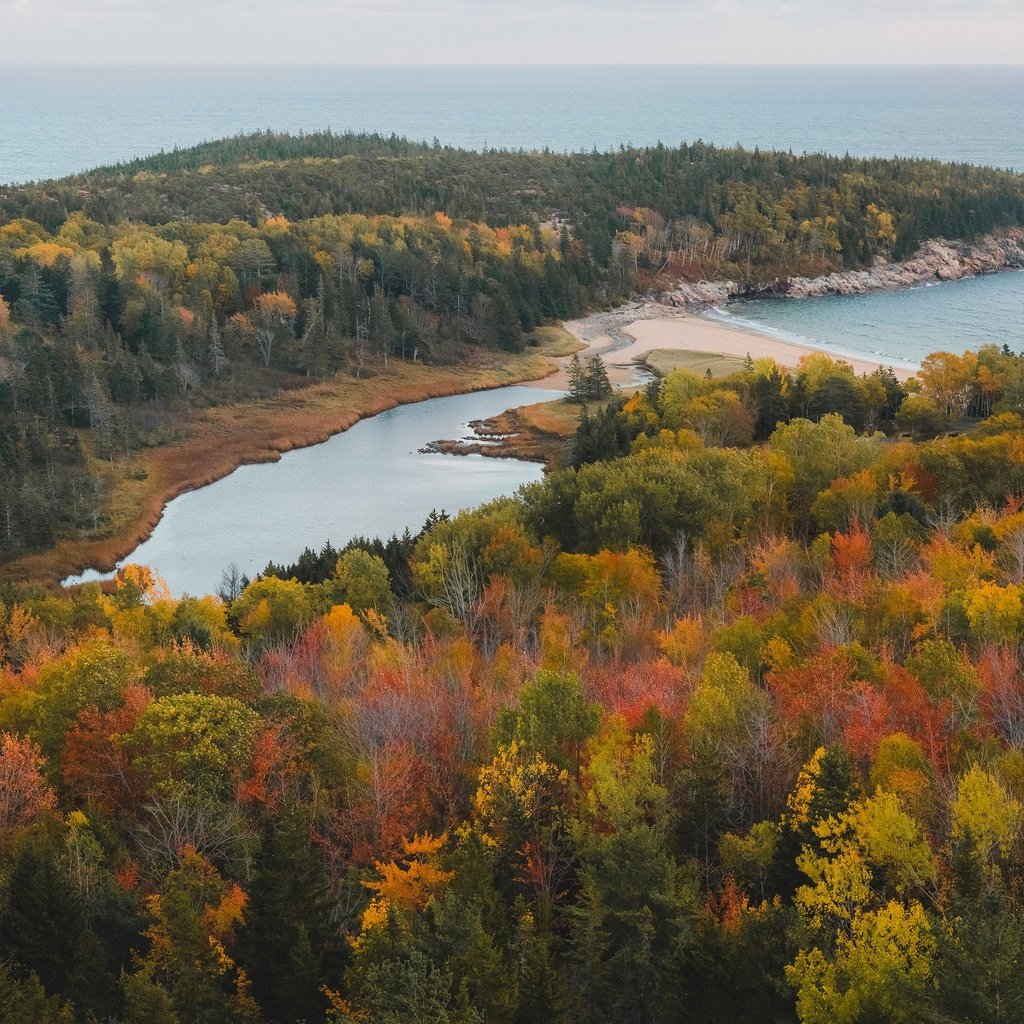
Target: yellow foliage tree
(996, 613)
(985, 816)
(878, 971)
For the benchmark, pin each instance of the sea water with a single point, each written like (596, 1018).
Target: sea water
(897, 328)
(55, 120)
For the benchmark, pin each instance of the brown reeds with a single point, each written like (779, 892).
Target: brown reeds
(217, 441)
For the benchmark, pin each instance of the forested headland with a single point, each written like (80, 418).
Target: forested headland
(722, 722)
(134, 297)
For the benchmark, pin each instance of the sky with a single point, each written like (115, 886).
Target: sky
(514, 31)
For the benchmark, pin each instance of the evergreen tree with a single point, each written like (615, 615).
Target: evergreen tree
(596, 383)
(42, 927)
(577, 383)
(24, 1001)
(288, 945)
(769, 403)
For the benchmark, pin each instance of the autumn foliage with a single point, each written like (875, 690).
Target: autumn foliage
(694, 733)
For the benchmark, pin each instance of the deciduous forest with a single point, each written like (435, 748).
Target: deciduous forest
(723, 721)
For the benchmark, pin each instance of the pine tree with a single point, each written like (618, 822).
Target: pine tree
(288, 945)
(577, 383)
(596, 382)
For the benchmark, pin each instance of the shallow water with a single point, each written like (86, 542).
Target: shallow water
(899, 328)
(369, 481)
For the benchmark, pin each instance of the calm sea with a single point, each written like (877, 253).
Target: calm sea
(55, 120)
(899, 328)
(61, 119)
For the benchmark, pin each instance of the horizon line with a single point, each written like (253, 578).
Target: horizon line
(499, 64)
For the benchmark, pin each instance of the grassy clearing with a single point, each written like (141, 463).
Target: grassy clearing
(558, 418)
(664, 360)
(554, 340)
(216, 441)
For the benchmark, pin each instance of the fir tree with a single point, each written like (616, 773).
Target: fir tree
(576, 382)
(596, 382)
(288, 945)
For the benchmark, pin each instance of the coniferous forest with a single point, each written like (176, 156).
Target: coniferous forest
(722, 720)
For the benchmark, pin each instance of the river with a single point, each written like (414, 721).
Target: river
(369, 481)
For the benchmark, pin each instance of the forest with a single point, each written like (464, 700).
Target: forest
(722, 721)
(134, 297)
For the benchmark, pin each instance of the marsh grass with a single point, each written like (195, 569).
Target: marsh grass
(663, 361)
(216, 441)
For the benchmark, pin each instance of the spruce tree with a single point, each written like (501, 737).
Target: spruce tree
(596, 382)
(577, 389)
(288, 945)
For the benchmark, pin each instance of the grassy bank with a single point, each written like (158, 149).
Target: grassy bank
(664, 360)
(217, 441)
(537, 433)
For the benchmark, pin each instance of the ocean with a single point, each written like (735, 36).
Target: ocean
(897, 328)
(56, 120)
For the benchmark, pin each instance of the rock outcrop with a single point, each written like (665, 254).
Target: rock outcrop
(936, 260)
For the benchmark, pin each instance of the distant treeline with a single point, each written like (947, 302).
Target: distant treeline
(766, 208)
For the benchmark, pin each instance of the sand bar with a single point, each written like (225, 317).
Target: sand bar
(695, 334)
(625, 335)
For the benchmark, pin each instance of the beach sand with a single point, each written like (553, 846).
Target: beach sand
(625, 335)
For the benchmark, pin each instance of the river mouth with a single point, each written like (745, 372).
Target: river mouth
(369, 481)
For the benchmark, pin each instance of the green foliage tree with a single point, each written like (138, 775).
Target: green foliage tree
(202, 740)
(271, 609)
(362, 581)
(553, 718)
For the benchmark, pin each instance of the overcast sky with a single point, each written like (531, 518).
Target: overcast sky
(515, 31)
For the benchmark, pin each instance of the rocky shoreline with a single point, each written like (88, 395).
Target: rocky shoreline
(936, 260)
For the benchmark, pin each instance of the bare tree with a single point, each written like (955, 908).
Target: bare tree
(231, 583)
(180, 819)
(215, 349)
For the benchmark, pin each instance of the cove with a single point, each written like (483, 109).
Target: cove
(901, 326)
(370, 481)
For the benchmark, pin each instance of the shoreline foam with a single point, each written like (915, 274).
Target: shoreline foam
(624, 336)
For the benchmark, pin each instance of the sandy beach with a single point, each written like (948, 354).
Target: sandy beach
(627, 334)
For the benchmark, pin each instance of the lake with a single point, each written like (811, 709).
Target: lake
(369, 481)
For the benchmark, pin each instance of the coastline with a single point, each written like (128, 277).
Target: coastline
(679, 320)
(698, 334)
(626, 336)
(936, 260)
